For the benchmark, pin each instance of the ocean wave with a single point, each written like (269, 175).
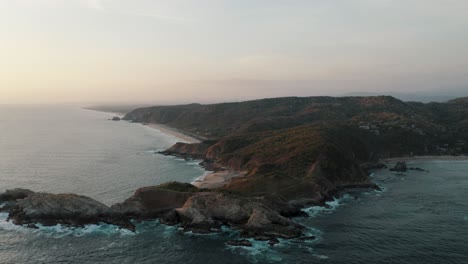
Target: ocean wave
(59, 231)
(9, 226)
(202, 177)
(330, 207)
(259, 252)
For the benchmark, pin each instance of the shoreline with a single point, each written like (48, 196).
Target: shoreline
(162, 128)
(446, 157)
(173, 132)
(209, 179)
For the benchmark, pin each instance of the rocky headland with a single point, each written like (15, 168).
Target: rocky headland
(271, 158)
(193, 209)
(282, 172)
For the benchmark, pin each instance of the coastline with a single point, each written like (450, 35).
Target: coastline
(210, 179)
(162, 128)
(446, 157)
(175, 133)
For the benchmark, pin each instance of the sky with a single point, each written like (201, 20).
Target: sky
(89, 51)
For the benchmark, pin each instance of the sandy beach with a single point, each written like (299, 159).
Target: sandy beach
(170, 131)
(211, 180)
(217, 179)
(426, 158)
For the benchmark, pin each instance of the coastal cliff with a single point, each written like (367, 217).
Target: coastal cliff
(287, 153)
(303, 165)
(392, 127)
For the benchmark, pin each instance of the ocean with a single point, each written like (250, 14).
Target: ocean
(419, 217)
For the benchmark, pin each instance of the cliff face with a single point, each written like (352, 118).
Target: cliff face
(302, 165)
(305, 149)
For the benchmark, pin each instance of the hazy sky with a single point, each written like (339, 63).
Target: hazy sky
(214, 50)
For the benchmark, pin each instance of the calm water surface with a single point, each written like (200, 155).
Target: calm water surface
(418, 218)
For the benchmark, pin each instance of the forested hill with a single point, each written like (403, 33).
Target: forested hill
(415, 127)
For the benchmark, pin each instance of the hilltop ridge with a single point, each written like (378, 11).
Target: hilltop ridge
(402, 127)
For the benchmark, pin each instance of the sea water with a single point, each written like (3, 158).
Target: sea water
(420, 217)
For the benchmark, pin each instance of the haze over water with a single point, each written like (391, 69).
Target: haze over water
(68, 149)
(419, 217)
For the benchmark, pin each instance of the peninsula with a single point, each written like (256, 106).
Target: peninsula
(272, 158)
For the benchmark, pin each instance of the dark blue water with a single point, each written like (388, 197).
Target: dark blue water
(418, 218)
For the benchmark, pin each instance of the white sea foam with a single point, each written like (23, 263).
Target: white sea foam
(321, 256)
(259, 252)
(202, 177)
(59, 231)
(331, 206)
(9, 226)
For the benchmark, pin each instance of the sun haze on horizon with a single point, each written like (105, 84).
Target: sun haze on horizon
(56, 51)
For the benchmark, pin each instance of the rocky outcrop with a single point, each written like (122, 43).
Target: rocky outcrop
(207, 211)
(155, 201)
(66, 209)
(188, 151)
(400, 166)
(15, 194)
(115, 118)
(239, 243)
(417, 169)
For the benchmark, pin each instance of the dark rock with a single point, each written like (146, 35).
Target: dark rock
(417, 169)
(15, 194)
(153, 202)
(170, 218)
(31, 225)
(273, 241)
(207, 210)
(239, 243)
(66, 209)
(262, 238)
(115, 118)
(365, 185)
(400, 166)
(306, 238)
(368, 166)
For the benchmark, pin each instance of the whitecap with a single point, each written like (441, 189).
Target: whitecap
(321, 256)
(59, 231)
(331, 206)
(8, 225)
(260, 251)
